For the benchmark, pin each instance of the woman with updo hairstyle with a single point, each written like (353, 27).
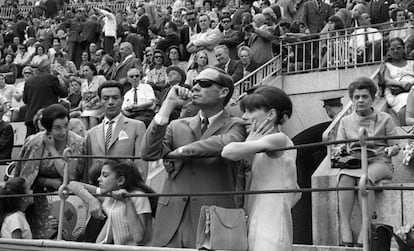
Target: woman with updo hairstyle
(47, 175)
(401, 27)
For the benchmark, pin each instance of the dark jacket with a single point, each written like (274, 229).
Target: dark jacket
(235, 69)
(171, 39)
(91, 31)
(6, 140)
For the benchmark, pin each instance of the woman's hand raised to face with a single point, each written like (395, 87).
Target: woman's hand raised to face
(256, 132)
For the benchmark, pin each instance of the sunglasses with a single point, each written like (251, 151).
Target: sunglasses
(134, 76)
(225, 22)
(190, 19)
(158, 57)
(27, 72)
(204, 83)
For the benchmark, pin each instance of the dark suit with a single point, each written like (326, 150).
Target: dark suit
(196, 175)
(90, 33)
(316, 18)
(121, 70)
(171, 39)
(143, 23)
(6, 140)
(235, 69)
(232, 38)
(378, 10)
(185, 39)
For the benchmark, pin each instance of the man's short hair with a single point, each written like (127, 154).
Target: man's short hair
(223, 47)
(109, 84)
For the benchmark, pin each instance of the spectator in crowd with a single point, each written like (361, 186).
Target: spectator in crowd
(109, 30)
(362, 93)
(9, 69)
(260, 38)
(171, 37)
(73, 26)
(107, 66)
(174, 56)
(40, 57)
(143, 20)
(365, 42)
(14, 224)
(63, 68)
(18, 111)
(75, 95)
(378, 10)
(246, 6)
(199, 64)
(402, 28)
(22, 58)
(357, 11)
(175, 225)
(187, 31)
(139, 101)
(147, 63)
(231, 38)
(205, 40)
(131, 217)
(47, 175)
(233, 67)
(6, 135)
(315, 15)
(153, 36)
(92, 109)
(138, 43)
(90, 32)
(56, 47)
(41, 91)
(128, 61)
(157, 76)
(6, 91)
(246, 59)
(398, 77)
(116, 135)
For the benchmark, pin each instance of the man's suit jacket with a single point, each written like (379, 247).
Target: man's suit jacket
(126, 141)
(6, 140)
(232, 39)
(198, 175)
(90, 32)
(378, 10)
(235, 69)
(315, 18)
(121, 70)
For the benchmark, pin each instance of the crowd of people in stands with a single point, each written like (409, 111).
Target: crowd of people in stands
(149, 82)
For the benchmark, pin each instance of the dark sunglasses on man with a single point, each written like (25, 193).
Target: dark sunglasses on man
(205, 83)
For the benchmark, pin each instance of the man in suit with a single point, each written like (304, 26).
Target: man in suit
(233, 67)
(6, 136)
(90, 33)
(202, 135)
(187, 31)
(231, 38)
(378, 10)
(117, 135)
(315, 15)
(128, 61)
(171, 37)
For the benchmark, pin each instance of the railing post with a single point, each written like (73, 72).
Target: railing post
(366, 219)
(63, 194)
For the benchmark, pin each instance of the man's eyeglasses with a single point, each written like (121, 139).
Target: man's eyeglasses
(190, 19)
(204, 83)
(134, 76)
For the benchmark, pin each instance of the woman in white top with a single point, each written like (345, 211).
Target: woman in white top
(39, 56)
(128, 219)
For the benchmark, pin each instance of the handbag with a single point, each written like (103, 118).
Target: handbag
(346, 162)
(222, 229)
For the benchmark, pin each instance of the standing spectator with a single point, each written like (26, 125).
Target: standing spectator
(202, 135)
(233, 67)
(117, 135)
(231, 38)
(63, 68)
(260, 40)
(128, 61)
(187, 31)
(73, 43)
(90, 33)
(246, 6)
(315, 15)
(6, 136)
(171, 37)
(48, 34)
(143, 20)
(109, 30)
(39, 92)
(378, 10)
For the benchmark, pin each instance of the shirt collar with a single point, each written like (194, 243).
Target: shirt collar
(212, 118)
(126, 58)
(116, 119)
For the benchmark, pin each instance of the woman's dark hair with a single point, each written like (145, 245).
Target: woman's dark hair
(207, 1)
(87, 53)
(339, 23)
(159, 52)
(41, 46)
(174, 47)
(360, 84)
(295, 26)
(401, 42)
(51, 113)
(11, 54)
(395, 12)
(91, 66)
(268, 97)
(59, 54)
(15, 185)
(109, 84)
(133, 179)
(153, 29)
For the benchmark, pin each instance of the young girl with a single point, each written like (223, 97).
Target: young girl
(15, 224)
(129, 220)
(270, 220)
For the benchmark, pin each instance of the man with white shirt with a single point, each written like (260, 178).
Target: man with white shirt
(139, 100)
(117, 135)
(109, 30)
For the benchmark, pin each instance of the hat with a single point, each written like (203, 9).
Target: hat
(179, 70)
(333, 100)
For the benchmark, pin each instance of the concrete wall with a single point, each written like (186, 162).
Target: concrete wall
(306, 91)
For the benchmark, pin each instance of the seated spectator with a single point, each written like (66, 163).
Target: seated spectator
(233, 67)
(107, 66)
(6, 136)
(6, 91)
(402, 27)
(39, 56)
(22, 58)
(56, 47)
(63, 68)
(154, 37)
(98, 59)
(139, 101)
(75, 95)
(85, 57)
(245, 58)
(157, 76)
(9, 69)
(147, 63)
(174, 57)
(14, 224)
(365, 42)
(200, 63)
(130, 217)
(335, 46)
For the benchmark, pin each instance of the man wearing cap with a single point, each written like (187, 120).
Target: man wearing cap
(332, 105)
(202, 135)
(139, 100)
(233, 67)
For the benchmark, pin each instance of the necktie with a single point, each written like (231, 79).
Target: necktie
(204, 125)
(366, 36)
(108, 134)
(135, 96)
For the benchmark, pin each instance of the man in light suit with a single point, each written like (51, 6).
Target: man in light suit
(117, 135)
(200, 136)
(233, 67)
(128, 61)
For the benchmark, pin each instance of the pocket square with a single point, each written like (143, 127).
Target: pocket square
(122, 135)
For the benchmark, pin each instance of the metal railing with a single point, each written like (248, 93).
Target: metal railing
(258, 76)
(335, 50)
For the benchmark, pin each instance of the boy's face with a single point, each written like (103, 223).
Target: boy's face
(75, 86)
